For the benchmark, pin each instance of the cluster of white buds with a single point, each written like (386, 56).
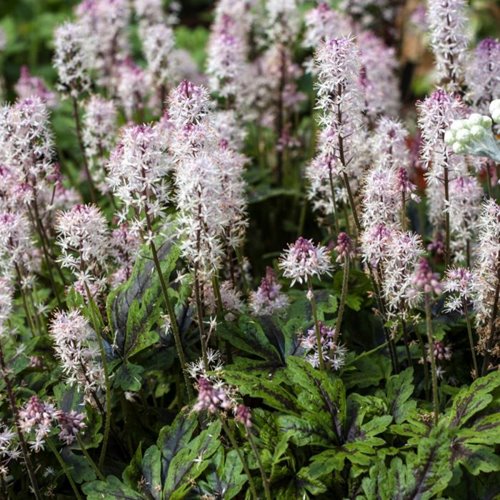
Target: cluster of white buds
(473, 135)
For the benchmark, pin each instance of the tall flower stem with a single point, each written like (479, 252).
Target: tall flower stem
(406, 340)
(317, 330)
(471, 339)
(234, 444)
(170, 307)
(15, 413)
(107, 383)
(65, 469)
(430, 336)
(263, 475)
(334, 201)
(199, 312)
(78, 125)
(90, 461)
(493, 320)
(447, 250)
(173, 320)
(218, 296)
(343, 297)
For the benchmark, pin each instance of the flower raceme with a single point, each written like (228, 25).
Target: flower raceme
(303, 260)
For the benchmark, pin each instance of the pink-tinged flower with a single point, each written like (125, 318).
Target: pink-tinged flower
(486, 268)
(323, 23)
(442, 352)
(243, 415)
(124, 247)
(425, 280)
(107, 23)
(130, 87)
(84, 242)
(374, 241)
(158, 44)
(436, 113)
(36, 417)
(99, 136)
(333, 353)
(268, 299)
(138, 175)
(211, 398)
(449, 39)
(26, 148)
(29, 85)
(466, 195)
(458, 285)
(77, 348)
(283, 20)
(401, 258)
(6, 302)
(481, 74)
(227, 55)
(149, 12)
(340, 100)
(70, 423)
(378, 76)
(16, 244)
(303, 260)
(72, 59)
(231, 300)
(345, 247)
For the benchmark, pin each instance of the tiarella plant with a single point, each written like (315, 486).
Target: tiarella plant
(249, 251)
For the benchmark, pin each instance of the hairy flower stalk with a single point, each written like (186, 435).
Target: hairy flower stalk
(427, 283)
(158, 45)
(449, 39)
(268, 299)
(138, 170)
(339, 99)
(481, 74)
(99, 136)
(83, 358)
(209, 192)
(301, 262)
(84, 243)
(345, 251)
(72, 63)
(486, 282)
(458, 286)
(26, 148)
(436, 113)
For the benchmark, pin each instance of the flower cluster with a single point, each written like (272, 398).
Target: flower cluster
(303, 260)
(77, 348)
(268, 299)
(333, 353)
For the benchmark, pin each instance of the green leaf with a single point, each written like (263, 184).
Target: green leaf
(269, 390)
(111, 489)
(370, 370)
(151, 471)
(174, 438)
(190, 462)
(134, 307)
(303, 432)
(473, 399)
(128, 377)
(248, 336)
(399, 390)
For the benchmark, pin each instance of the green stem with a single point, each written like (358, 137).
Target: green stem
(65, 469)
(263, 475)
(236, 448)
(428, 322)
(173, 320)
(99, 474)
(343, 297)
(218, 296)
(316, 324)
(199, 312)
(471, 340)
